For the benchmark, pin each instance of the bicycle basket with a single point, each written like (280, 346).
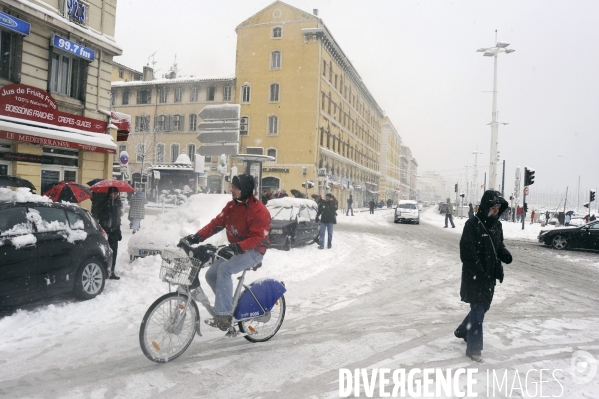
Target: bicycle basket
(178, 268)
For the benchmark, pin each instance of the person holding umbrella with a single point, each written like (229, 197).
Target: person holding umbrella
(109, 217)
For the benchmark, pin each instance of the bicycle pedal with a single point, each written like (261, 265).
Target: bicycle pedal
(231, 332)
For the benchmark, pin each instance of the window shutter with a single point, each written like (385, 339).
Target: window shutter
(18, 58)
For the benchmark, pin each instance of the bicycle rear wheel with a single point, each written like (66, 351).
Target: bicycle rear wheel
(263, 328)
(167, 328)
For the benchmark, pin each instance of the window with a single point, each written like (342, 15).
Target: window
(245, 94)
(14, 218)
(193, 94)
(11, 49)
(272, 153)
(274, 93)
(178, 94)
(125, 99)
(273, 125)
(121, 73)
(140, 152)
(191, 151)
(53, 219)
(193, 122)
(144, 96)
(275, 60)
(324, 68)
(75, 220)
(226, 93)
(112, 98)
(210, 93)
(174, 152)
(116, 157)
(255, 150)
(142, 123)
(178, 122)
(277, 32)
(244, 125)
(68, 76)
(160, 147)
(163, 94)
(160, 122)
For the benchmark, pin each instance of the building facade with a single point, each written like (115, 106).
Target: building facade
(55, 67)
(306, 105)
(164, 116)
(391, 162)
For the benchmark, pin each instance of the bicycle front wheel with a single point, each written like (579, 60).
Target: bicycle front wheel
(264, 328)
(168, 328)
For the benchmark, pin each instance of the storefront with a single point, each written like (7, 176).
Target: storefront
(44, 145)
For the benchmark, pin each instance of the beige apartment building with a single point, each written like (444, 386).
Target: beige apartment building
(55, 68)
(306, 105)
(391, 162)
(164, 116)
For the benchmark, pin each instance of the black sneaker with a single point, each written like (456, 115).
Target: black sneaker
(114, 277)
(320, 247)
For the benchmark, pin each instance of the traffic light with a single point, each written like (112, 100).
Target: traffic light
(592, 197)
(525, 207)
(529, 177)
(456, 187)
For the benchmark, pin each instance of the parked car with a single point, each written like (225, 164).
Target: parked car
(293, 222)
(583, 237)
(49, 248)
(407, 211)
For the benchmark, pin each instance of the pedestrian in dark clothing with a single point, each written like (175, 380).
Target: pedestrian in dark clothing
(470, 211)
(350, 201)
(389, 203)
(547, 217)
(481, 251)
(371, 205)
(449, 214)
(592, 218)
(327, 216)
(137, 209)
(109, 217)
(265, 197)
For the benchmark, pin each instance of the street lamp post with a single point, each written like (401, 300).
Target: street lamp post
(492, 52)
(476, 183)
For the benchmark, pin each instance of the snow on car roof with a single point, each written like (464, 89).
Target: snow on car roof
(21, 194)
(289, 201)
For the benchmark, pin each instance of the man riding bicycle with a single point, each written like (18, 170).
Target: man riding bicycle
(247, 222)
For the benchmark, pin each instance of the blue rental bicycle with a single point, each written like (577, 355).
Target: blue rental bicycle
(171, 322)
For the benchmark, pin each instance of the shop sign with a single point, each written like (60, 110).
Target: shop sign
(43, 159)
(27, 138)
(279, 170)
(76, 10)
(14, 24)
(73, 48)
(30, 103)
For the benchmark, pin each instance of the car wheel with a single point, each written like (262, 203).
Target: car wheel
(90, 279)
(559, 242)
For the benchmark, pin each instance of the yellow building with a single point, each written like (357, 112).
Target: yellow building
(305, 104)
(122, 73)
(55, 90)
(390, 162)
(164, 116)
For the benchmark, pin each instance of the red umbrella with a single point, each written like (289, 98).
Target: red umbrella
(104, 185)
(68, 191)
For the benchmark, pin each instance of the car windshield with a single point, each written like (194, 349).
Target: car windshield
(407, 206)
(282, 212)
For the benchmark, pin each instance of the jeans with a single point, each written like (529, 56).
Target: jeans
(135, 224)
(219, 275)
(349, 208)
(113, 242)
(323, 228)
(472, 329)
(450, 217)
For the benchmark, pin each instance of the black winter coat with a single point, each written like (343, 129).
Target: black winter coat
(109, 215)
(327, 211)
(481, 263)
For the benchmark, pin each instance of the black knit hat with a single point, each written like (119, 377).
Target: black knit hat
(245, 183)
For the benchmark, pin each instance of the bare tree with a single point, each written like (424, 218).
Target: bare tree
(145, 151)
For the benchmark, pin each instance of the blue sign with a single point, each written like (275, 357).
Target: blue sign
(124, 159)
(73, 48)
(14, 24)
(77, 11)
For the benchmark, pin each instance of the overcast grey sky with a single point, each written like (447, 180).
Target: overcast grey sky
(419, 60)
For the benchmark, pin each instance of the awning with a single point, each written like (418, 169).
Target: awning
(122, 123)
(86, 141)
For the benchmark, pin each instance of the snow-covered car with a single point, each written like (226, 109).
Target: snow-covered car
(167, 229)
(407, 211)
(583, 237)
(48, 248)
(293, 222)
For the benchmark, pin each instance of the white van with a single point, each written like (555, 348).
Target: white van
(407, 211)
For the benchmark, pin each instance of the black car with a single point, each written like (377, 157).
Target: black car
(293, 222)
(583, 237)
(49, 248)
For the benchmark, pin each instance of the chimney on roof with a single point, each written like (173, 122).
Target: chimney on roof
(315, 11)
(148, 73)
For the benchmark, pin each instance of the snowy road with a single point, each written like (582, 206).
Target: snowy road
(386, 295)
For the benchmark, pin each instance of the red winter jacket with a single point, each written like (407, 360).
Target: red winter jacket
(247, 223)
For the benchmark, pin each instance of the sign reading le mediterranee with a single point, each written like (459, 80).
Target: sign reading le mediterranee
(73, 48)
(14, 24)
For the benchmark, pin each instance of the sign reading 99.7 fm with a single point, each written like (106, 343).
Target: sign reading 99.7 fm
(73, 48)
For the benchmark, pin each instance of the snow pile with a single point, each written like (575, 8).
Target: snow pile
(21, 194)
(178, 222)
(21, 241)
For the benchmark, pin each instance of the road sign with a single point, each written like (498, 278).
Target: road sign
(322, 172)
(218, 137)
(211, 150)
(219, 125)
(526, 190)
(221, 112)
